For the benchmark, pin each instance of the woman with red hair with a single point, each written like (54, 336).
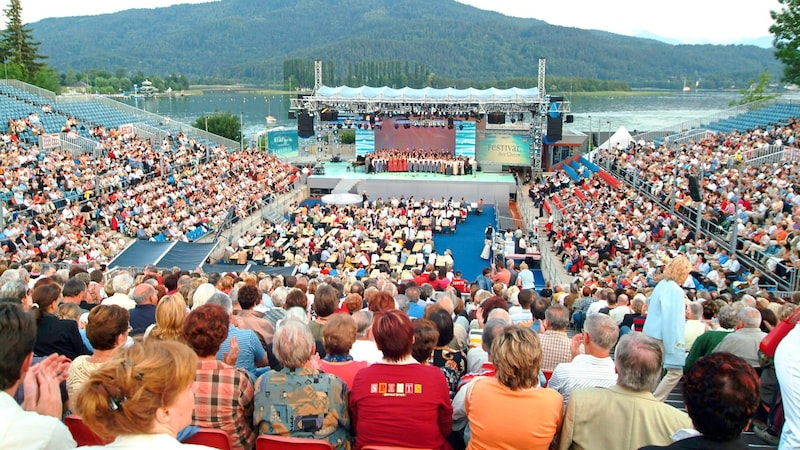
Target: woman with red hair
(399, 402)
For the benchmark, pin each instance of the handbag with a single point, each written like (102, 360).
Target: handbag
(770, 342)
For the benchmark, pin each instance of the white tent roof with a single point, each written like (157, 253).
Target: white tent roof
(429, 94)
(621, 138)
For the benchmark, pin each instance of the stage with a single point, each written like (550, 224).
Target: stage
(343, 177)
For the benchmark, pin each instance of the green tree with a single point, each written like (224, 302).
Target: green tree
(17, 44)
(756, 90)
(786, 30)
(221, 123)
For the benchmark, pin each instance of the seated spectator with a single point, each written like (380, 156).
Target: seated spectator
(37, 423)
(728, 318)
(593, 415)
(143, 397)
(170, 315)
(54, 335)
(452, 363)
(494, 404)
(248, 297)
(745, 340)
(384, 393)
(251, 355)
(338, 337)
(365, 348)
(426, 335)
(594, 367)
(721, 394)
(315, 404)
(223, 394)
(107, 331)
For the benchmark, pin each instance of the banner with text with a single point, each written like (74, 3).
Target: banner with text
(505, 149)
(282, 142)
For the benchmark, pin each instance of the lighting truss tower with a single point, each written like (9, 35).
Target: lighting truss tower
(317, 74)
(538, 123)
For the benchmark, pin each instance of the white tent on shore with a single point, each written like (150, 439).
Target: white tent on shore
(621, 138)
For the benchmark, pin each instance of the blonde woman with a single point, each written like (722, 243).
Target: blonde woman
(170, 314)
(666, 322)
(142, 398)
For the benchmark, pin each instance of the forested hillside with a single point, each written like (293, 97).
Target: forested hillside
(251, 41)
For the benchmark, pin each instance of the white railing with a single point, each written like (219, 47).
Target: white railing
(44, 93)
(78, 145)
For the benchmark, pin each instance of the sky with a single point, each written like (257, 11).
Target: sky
(675, 21)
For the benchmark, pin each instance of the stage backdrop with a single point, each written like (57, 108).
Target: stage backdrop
(505, 149)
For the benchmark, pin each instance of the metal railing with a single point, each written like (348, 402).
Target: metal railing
(695, 123)
(44, 93)
(720, 234)
(770, 155)
(78, 145)
(141, 114)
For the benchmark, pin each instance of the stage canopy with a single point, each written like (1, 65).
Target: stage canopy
(428, 95)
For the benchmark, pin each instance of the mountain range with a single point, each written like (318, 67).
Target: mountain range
(249, 40)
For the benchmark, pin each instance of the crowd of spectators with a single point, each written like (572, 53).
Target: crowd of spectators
(344, 348)
(640, 231)
(62, 207)
(395, 235)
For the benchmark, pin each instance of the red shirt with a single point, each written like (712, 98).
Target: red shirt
(460, 285)
(401, 405)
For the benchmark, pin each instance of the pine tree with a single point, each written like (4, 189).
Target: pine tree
(17, 45)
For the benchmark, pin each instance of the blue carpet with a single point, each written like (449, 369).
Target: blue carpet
(466, 243)
(538, 278)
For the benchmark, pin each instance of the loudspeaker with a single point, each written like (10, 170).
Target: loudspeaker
(292, 115)
(329, 115)
(554, 132)
(694, 189)
(449, 123)
(496, 118)
(569, 118)
(305, 125)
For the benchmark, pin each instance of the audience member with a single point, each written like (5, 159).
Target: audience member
(593, 367)
(384, 393)
(315, 403)
(593, 415)
(223, 394)
(142, 398)
(338, 337)
(494, 404)
(721, 394)
(36, 424)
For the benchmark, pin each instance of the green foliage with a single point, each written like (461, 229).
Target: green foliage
(409, 43)
(17, 44)
(756, 90)
(786, 30)
(347, 137)
(105, 82)
(221, 123)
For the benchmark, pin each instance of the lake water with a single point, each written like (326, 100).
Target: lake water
(641, 112)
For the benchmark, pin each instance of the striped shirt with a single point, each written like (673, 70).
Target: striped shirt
(584, 371)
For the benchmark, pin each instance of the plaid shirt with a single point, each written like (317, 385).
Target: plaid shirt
(555, 349)
(223, 400)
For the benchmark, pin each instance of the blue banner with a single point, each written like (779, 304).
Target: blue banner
(282, 142)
